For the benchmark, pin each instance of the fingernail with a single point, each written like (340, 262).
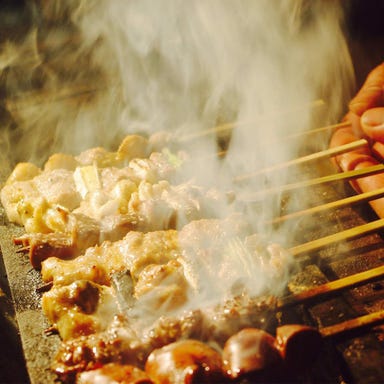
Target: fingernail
(366, 120)
(373, 118)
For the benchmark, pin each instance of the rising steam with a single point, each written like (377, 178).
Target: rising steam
(177, 66)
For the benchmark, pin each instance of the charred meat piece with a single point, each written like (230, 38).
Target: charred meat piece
(299, 345)
(118, 344)
(201, 246)
(252, 354)
(97, 196)
(113, 373)
(185, 361)
(130, 342)
(150, 207)
(80, 308)
(134, 253)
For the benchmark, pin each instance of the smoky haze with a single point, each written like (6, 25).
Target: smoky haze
(104, 69)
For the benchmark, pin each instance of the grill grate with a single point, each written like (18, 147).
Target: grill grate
(355, 357)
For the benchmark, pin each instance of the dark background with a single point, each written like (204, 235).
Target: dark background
(365, 34)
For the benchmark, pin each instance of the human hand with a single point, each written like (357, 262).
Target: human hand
(366, 115)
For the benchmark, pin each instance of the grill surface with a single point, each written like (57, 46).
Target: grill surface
(357, 358)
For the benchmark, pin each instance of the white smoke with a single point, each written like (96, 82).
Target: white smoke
(183, 67)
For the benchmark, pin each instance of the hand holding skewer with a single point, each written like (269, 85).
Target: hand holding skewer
(366, 115)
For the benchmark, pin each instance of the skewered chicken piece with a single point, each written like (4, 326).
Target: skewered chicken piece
(164, 267)
(84, 307)
(113, 373)
(80, 308)
(185, 361)
(118, 344)
(150, 207)
(251, 353)
(31, 195)
(299, 345)
(127, 343)
(135, 251)
(204, 245)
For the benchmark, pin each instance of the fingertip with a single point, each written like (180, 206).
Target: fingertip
(372, 123)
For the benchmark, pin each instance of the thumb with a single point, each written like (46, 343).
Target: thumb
(372, 123)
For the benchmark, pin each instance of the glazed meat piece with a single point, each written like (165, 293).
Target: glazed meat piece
(129, 342)
(185, 361)
(164, 279)
(300, 345)
(199, 244)
(113, 373)
(151, 207)
(65, 181)
(134, 252)
(163, 287)
(117, 344)
(83, 232)
(80, 308)
(252, 354)
(30, 202)
(131, 147)
(214, 323)
(139, 249)
(160, 288)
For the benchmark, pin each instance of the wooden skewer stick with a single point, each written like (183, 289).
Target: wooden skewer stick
(339, 236)
(229, 126)
(350, 175)
(359, 323)
(223, 153)
(348, 201)
(330, 152)
(326, 128)
(333, 287)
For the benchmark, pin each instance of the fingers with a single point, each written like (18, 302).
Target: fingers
(372, 183)
(371, 94)
(366, 114)
(347, 161)
(372, 123)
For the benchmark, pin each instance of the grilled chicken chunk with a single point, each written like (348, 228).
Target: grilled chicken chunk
(151, 207)
(166, 269)
(185, 362)
(80, 308)
(113, 373)
(130, 343)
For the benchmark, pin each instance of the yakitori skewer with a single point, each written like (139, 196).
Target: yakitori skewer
(327, 128)
(332, 287)
(350, 175)
(359, 323)
(231, 125)
(348, 234)
(327, 153)
(348, 201)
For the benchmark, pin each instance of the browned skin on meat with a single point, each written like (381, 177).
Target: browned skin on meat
(185, 361)
(41, 246)
(116, 373)
(299, 345)
(120, 343)
(251, 353)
